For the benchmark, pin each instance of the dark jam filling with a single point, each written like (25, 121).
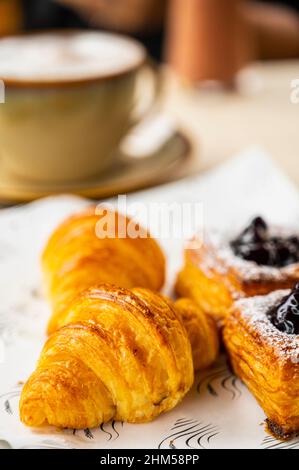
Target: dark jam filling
(285, 316)
(256, 244)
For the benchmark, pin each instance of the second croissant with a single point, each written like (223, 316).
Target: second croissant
(121, 355)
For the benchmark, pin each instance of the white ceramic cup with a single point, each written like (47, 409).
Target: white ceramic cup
(70, 98)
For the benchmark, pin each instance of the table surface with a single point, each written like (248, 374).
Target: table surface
(221, 123)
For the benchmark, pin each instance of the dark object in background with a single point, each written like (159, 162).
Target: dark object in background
(275, 28)
(42, 14)
(291, 3)
(281, 42)
(46, 14)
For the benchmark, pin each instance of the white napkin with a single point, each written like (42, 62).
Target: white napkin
(219, 412)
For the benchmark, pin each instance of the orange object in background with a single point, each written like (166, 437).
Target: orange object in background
(276, 29)
(128, 16)
(10, 17)
(207, 39)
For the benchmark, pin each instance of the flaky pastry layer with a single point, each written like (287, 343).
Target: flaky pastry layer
(122, 355)
(266, 360)
(78, 256)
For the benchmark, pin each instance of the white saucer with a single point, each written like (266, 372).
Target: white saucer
(168, 160)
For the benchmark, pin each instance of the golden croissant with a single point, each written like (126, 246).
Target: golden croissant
(202, 332)
(121, 354)
(80, 255)
(114, 353)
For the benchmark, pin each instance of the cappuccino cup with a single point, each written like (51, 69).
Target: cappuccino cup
(70, 99)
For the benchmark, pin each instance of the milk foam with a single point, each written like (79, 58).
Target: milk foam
(65, 57)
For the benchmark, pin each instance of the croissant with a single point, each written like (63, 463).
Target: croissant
(79, 255)
(261, 337)
(219, 270)
(120, 354)
(202, 331)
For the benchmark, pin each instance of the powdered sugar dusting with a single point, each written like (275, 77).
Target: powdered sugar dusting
(224, 259)
(254, 311)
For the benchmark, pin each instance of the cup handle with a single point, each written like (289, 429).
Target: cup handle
(141, 112)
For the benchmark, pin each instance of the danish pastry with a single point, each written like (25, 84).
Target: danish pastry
(121, 354)
(261, 260)
(81, 254)
(261, 336)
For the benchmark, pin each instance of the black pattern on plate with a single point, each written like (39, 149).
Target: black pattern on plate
(7, 407)
(189, 433)
(7, 400)
(111, 431)
(220, 379)
(269, 442)
(88, 433)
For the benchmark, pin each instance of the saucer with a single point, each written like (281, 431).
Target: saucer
(150, 156)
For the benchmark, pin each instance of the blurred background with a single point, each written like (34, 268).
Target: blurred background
(227, 65)
(272, 24)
